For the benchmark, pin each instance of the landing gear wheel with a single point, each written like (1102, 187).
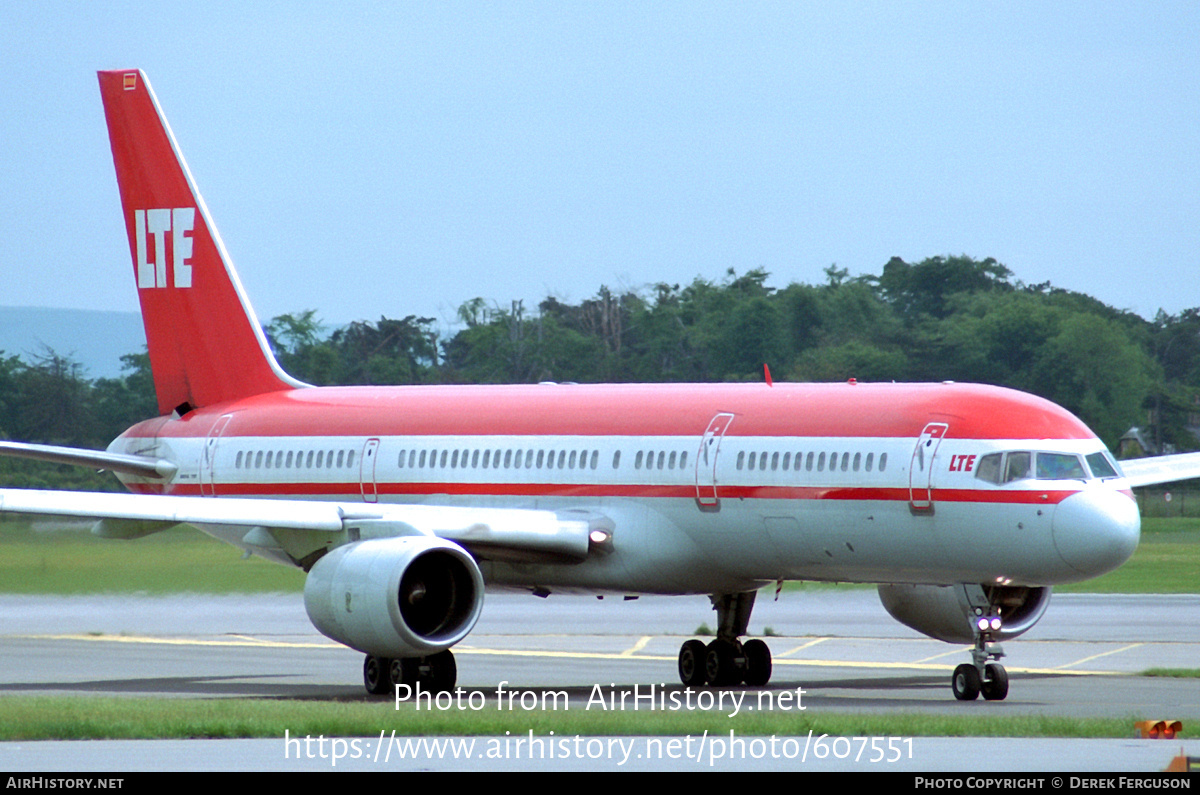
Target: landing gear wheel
(995, 683)
(439, 672)
(758, 662)
(376, 677)
(721, 664)
(966, 682)
(692, 663)
(402, 672)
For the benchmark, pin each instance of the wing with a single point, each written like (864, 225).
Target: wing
(1161, 469)
(488, 533)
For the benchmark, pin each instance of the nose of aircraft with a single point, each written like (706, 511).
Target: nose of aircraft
(1096, 530)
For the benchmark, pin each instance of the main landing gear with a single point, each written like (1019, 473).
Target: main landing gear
(981, 676)
(436, 673)
(727, 661)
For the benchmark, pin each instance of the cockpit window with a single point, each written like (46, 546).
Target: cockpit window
(1101, 467)
(989, 467)
(1059, 466)
(1016, 467)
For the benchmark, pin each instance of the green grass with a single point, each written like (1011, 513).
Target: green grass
(1166, 561)
(72, 561)
(180, 560)
(60, 717)
(1174, 673)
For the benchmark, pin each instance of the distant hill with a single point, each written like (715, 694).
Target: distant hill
(97, 340)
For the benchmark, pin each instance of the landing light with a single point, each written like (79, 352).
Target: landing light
(987, 624)
(600, 540)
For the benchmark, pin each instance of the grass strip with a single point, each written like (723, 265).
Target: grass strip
(1174, 673)
(65, 718)
(72, 561)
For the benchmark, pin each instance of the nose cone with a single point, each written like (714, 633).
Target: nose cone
(1096, 530)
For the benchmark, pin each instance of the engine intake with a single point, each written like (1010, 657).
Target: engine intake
(395, 597)
(944, 612)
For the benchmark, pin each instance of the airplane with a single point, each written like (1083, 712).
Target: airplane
(964, 503)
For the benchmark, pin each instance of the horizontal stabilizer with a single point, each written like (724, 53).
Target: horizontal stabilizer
(140, 466)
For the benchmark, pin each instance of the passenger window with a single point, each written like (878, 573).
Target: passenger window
(1059, 466)
(683, 460)
(870, 460)
(1016, 467)
(616, 459)
(882, 461)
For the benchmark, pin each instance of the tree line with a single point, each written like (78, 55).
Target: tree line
(943, 318)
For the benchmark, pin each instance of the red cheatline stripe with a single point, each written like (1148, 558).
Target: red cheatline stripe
(353, 490)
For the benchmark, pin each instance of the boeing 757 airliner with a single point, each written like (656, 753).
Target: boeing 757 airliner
(964, 503)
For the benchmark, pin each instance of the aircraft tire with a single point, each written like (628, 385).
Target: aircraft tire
(721, 665)
(376, 671)
(440, 672)
(995, 685)
(692, 656)
(966, 682)
(758, 662)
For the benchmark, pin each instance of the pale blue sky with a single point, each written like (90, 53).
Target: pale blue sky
(400, 158)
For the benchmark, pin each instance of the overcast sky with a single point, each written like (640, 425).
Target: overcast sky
(401, 158)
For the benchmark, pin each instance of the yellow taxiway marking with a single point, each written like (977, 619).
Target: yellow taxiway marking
(1101, 654)
(802, 646)
(635, 648)
(236, 640)
(945, 654)
(628, 654)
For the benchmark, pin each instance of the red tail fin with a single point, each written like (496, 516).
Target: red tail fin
(205, 343)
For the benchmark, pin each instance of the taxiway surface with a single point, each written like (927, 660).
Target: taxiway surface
(1084, 659)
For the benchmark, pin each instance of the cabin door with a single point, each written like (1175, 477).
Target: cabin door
(920, 470)
(706, 462)
(366, 472)
(208, 460)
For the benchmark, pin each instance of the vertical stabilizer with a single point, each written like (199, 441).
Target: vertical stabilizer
(205, 343)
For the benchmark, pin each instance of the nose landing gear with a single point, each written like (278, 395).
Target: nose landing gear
(981, 676)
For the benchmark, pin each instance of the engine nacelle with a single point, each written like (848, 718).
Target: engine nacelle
(945, 612)
(395, 597)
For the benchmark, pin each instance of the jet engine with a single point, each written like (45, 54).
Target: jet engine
(400, 597)
(950, 612)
